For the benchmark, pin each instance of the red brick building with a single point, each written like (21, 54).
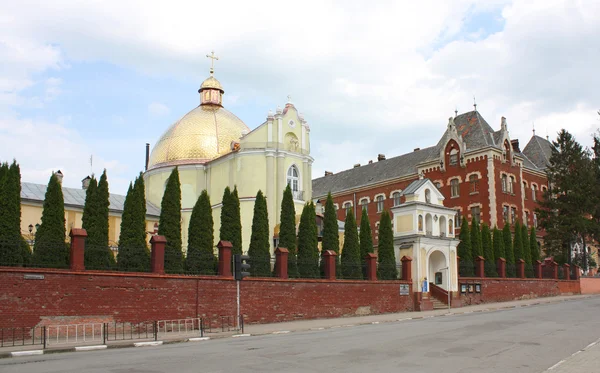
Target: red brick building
(481, 172)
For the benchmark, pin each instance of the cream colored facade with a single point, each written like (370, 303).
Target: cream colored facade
(266, 158)
(424, 231)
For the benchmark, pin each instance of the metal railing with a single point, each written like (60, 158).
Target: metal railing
(23, 336)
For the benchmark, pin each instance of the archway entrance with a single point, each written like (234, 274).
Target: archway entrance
(438, 272)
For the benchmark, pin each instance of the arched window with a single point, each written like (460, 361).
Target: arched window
(396, 197)
(453, 157)
(347, 206)
(420, 223)
(379, 201)
(450, 227)
(364, 204)
(442, 223)
(427, 196)
(293, 180)
(474, 180)
(428, 225)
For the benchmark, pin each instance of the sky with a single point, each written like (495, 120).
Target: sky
(100, 78)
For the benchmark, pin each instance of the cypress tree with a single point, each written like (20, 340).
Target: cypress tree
(95, 221)
(103, 196)
(169, 224)
(518, 242)
(89, 220)
(308, 253)
(385, 251)
(287, 230)
(14, 250)
(351, 263)
(499, 244)
(133, 250)
(366, 240)
(50, 248)
(533, 246)
(509, 250)
(476, 247)
(331, 238)
(488, 251)
(259, 249)
(15, 178)
(526, 251)
(464, 250)
(227, 217)
(200, 257)
(237, 223)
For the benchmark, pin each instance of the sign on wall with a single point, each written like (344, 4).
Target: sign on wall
(404, 289)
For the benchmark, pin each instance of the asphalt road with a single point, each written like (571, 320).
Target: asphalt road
(530, 339)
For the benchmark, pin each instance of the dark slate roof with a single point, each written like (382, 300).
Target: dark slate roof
(412, 188)
(475, 131)
(538, 150)
(76, 198)
(391, 168)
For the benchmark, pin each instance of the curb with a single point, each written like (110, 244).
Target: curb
(91, 348)
(240, 335)
(26, 353)
(148, 344)
(198, 339)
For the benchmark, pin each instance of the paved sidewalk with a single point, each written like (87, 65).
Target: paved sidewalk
(304, 325)
(585, 360)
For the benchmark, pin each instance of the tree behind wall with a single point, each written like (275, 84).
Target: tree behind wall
(237, 223)
(287, 230)
(351, 263)
(308, 252)
(498, 244)
(464, 250)
(200, 257)
(526, 252)
(14, 172)
(533, 246)
(231, 226)
(133, 255)
(50, 249)
(259, 249)
(331, 238)
(169, 224)
(476, 246)
(95, 221)
(488, 251)
(385, 252)
(366, 240)
(509, 250)
(14, 250)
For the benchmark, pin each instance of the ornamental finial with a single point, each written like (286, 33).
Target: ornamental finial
(212, 61)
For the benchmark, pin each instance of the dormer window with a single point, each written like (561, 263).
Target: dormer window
(453, 157)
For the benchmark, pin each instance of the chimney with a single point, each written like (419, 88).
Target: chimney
(380, 157)
(147, 156)
(85, 183)
(416, 149)
(357, 165)
(515, 145)
(59, 176)
(328, 173)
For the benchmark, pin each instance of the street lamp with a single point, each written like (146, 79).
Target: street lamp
(30, 228)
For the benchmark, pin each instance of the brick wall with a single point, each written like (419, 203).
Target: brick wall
(590, 285)
(508, 289)
(142, 297)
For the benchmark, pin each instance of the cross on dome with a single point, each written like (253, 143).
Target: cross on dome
(212, 61)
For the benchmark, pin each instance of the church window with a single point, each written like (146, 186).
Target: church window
(474, 180)
(513, 215)
(533, 192)
(476, 213)
(293, 178)
(453, 157)
(420, 223)
(535, 221)
(427, 196)
(379, 200)
(511, 185)
(450, 227)
(504, 183)
(454, 188)
(526, 218)
(458, 219)
(525, 189)
(347, 207)
(396, 197)
(505, 214)
(364, 204)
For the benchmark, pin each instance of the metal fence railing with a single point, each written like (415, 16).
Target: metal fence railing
(23, 336)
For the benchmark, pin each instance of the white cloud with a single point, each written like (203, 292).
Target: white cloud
(158, 109)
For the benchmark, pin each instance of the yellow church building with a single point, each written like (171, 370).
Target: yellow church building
(214, 149)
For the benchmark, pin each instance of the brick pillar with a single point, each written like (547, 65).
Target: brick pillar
(577, 272)
(329, 256)
(501, 267)
(78, 236)
(371, 261)
(157, 255)
(554, 270)
(520, 268)
(567, 271)
(406, 268)
(480, 267)
(224, 258)
(537, 269)
(281, 262)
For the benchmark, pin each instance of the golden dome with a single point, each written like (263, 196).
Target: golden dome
(211, 82)
(203, 134)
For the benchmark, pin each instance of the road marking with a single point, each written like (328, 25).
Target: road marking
(240, 335)
(148, 344)
(375, 322)
(198, 339)
(408, 318)
(90, 348)
(317, 328)
(557, 364)
(27, 353)
(348, 325)
(281, 332)
(575, 353)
